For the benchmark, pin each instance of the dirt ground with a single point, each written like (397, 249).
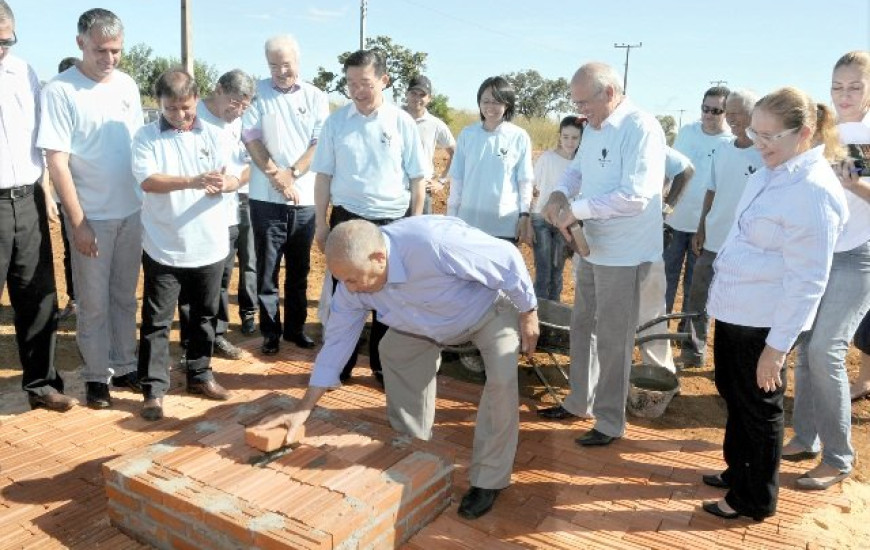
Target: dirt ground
(697, 412)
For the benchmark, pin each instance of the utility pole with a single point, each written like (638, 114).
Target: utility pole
(628, 48)
(363, 9)
(718, 82)
(186, 37)
(681, 111)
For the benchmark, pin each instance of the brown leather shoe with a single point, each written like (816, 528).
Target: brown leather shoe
(54, 401)
(152, 409)
(210, 389)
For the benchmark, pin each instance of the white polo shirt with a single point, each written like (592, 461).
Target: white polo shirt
(94, 122)
(20, 159)
(287, 124)
(699, 147)
(370, 159)
(488, 171)
(857, 230)
(433, 134)
(675, 163)
(732, 167)
(184, 228)
(239, 155)
(548, 169)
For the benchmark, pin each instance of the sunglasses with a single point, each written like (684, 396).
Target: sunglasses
(761, 139)
(712, 110)
(8, 42)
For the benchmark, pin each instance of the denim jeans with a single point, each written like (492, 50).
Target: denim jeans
(679, 251)
(282, 231)
(550, 254)
(106, 297)
(696, 302)
(822, 408)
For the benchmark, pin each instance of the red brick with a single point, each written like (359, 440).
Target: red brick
(122, 498)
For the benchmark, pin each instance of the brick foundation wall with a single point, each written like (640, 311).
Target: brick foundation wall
(349, 485)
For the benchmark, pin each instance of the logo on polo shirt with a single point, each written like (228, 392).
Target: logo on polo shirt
(302, 110)
(750, 170)
(386, 138)
(502, 152)
(206, 154)
(604, 160)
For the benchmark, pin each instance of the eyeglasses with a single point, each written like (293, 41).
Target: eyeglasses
(712, 110)
(583, 103)
(9, 42)
(759, 139)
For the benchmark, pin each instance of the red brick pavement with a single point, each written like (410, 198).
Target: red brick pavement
(643, 491)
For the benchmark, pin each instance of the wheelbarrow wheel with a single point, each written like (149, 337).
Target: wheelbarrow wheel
(472, 361)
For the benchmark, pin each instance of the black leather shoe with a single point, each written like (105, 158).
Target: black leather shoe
(97, 395)
(249, 326)
(477, 502)
(594, 438)
(209, 389)
(555, 413)
(712, 507)
(300, 339)
(224, 348)
(270, 345)
(152, 409)
(714, 480)
(379, 376)
(54, 401)
(129, 381)
(799, 456)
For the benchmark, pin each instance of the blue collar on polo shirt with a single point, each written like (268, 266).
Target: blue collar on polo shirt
(165, 126)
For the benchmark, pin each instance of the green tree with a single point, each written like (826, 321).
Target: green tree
(402, 64)
(438, 107)
(669, 125)
(537, 96)
(144, 69)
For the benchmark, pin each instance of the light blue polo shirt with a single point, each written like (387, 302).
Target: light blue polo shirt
(369, 158)
(491, 166)
(287, 124)
(699, 147)
(239, 157)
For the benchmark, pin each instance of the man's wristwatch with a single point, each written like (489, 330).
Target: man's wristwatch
(524, 214)
(295, 171)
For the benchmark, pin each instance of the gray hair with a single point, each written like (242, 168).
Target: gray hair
(101, 22)
(601, 75)
(747, 99)
(353, 242)
(282, 43)
(6, 12)
(237, 82)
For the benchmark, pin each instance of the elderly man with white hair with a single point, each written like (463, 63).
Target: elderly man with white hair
(280, 130)
(617, 173)
(435, 281)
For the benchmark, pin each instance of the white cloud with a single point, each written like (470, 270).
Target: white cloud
(322, 16)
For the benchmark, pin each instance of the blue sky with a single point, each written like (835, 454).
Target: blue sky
(686, 43)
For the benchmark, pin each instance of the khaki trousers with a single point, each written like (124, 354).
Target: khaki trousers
(410, 364)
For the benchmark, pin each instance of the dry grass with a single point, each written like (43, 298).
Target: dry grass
(544, 132)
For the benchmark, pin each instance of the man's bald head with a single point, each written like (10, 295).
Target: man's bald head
(356, 254)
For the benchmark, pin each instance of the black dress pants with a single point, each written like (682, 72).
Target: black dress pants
(753, 431)
(27, 270)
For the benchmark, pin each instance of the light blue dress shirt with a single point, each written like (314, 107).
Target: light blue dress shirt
(774, 265)
(618, 172)
(442, 277)
(370, 159)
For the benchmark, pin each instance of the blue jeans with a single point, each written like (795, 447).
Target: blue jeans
(282, 231)
(550, 253)
(822, 409)
(678, 251)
